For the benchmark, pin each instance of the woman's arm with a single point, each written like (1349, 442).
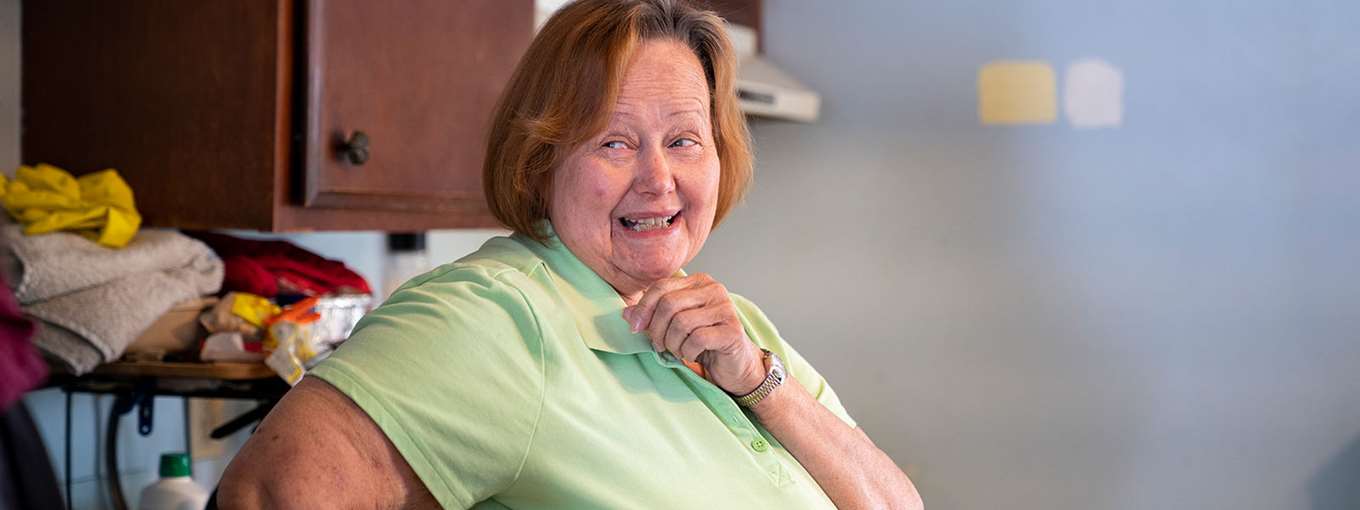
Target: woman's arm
(852, 471)
(694, 318)
(317, 449)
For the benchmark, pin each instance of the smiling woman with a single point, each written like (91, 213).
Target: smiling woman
(565, 90)
(574, 364)
(638, 199)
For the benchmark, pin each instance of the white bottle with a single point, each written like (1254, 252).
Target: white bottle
(175, 490)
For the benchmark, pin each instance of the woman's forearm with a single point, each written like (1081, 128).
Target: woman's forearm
(850, 469)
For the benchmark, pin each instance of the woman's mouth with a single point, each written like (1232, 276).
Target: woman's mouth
(646, 223)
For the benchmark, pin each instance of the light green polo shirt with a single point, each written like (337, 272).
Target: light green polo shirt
(509, 379)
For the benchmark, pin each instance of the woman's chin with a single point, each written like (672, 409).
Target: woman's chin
(653, 273)
(652, 269)
(654, 261)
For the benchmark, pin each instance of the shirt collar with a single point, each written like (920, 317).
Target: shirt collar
(596, 306)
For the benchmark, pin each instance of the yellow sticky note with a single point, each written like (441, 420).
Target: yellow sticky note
(1017, 92)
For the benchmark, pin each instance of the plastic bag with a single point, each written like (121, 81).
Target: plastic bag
(290, 341)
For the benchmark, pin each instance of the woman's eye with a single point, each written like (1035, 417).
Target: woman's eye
(616, 144)
(684, 142)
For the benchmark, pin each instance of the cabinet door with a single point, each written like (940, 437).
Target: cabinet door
(418, 78)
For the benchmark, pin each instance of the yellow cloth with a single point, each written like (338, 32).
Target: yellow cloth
(252, 308)
(98, 206)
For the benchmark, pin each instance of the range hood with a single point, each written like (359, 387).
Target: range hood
(763, 88)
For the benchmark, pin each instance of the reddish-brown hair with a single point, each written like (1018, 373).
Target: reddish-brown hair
(565, 87)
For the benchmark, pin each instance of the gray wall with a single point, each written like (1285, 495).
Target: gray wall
(1163, 315)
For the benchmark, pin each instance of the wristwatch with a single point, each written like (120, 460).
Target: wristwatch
(774, 376)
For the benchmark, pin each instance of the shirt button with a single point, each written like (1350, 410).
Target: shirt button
(760, 445)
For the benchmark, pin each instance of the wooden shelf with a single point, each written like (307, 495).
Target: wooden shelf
(218, 371)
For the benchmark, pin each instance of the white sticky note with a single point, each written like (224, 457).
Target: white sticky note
(1093, 94)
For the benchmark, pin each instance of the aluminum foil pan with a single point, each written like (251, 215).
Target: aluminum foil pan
(339, 314)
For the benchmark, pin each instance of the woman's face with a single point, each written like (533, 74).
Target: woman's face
(636, 201)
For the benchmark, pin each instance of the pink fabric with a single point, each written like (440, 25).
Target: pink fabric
(21, 368)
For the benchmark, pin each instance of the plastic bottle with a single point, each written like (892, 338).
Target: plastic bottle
(175, 490)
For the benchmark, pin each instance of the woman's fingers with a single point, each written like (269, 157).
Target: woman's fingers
(665, 311)
(693, 318)
(680, 336)
(704, 339)
(640, 317)
(642, 313)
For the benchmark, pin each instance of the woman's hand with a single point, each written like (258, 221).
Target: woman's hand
(694, 319)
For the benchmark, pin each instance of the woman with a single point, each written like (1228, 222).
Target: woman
(573, 364)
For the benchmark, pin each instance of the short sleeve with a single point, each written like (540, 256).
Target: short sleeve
(764, 334)
(450, 367)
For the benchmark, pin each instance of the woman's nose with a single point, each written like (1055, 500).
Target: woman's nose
(654, 175)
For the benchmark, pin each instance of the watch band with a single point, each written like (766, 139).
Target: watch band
(774, 376)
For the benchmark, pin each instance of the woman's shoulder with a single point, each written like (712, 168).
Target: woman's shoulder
(472, 307)
(490, 295)
(501, 263)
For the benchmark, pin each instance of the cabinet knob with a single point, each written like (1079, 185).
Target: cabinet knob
(356, 148)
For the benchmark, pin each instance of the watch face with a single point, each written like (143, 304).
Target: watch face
(776, 367)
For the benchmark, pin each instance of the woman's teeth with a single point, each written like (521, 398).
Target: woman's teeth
(645, 224)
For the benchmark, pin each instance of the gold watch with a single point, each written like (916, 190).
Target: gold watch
(774, 376)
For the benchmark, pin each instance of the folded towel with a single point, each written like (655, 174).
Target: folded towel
(93, 301)
(59, 263)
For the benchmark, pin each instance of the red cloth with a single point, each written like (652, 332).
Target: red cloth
(272, 268)
(21, 368)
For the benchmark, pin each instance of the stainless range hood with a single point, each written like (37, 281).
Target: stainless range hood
(763, 88)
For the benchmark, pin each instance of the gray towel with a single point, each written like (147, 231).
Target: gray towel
(94, 301)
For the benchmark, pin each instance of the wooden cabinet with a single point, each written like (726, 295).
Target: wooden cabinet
(254, 113)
